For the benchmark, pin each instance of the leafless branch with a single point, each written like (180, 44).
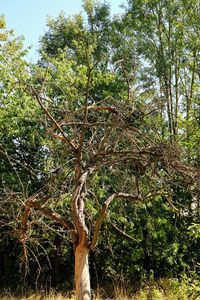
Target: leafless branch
(30, 203)
(122, 232)
(65, 137)
(103, 212)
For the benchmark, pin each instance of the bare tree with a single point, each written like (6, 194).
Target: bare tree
(101, 135)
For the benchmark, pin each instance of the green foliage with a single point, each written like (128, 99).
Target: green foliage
(3, 34)
(144, 66)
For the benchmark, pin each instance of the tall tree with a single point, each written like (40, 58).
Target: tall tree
(100, 112)
(96, 133)
(165, 30)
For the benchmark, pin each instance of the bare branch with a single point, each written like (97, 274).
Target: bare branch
(30, 203)
(103, 211)
(111, 109)
(24, 226)
(65, 138)
(122, 232)
(52, 215)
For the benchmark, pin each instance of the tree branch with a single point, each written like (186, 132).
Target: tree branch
(52, 215)
(103, 212)
(78, 208)
(65, 138)
(122, 232)
(80, 147)
(24, 225)
(32, 203)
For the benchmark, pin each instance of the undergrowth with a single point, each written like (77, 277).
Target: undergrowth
(163, 289)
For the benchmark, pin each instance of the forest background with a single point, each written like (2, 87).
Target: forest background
(116, 99)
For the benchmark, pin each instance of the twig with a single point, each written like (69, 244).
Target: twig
(122, 232)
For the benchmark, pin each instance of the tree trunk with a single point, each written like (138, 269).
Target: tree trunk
(82, 276)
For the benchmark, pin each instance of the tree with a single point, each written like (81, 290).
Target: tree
(166, 34)
(104, 146)
(21, 152)
(96, 137)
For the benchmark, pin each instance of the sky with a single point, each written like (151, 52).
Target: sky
(29, 17)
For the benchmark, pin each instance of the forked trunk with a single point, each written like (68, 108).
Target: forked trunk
(82, 276)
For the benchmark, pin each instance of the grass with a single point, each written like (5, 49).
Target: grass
(38, 296)
(163, 289)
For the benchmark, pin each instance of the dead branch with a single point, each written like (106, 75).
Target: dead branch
(103, 212)
(122, 232)
(24, 226)
(65, 137)
(30, 203)
(52, 215)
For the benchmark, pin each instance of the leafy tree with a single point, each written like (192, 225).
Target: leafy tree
(21, 151)
(165, 30)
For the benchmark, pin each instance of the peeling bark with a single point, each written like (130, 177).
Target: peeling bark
(82, 276)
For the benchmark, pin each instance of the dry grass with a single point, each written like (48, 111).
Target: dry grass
(164, 289)
(55, 296)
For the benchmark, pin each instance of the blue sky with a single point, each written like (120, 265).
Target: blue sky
(28, 17)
